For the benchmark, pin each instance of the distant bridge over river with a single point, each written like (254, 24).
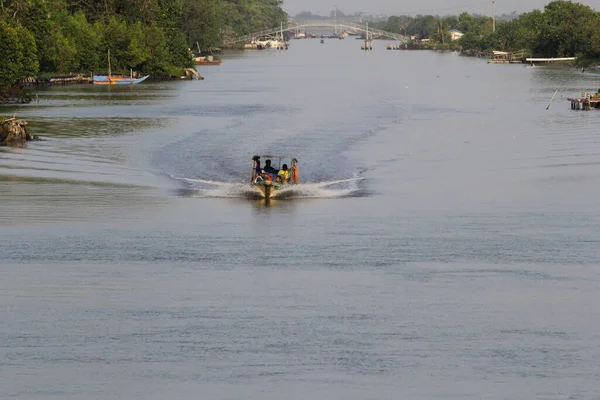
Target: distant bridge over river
(349, 27)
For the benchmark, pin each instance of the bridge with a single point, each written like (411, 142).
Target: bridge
(344, 26)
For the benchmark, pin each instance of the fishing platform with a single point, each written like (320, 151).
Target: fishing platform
(586, 102)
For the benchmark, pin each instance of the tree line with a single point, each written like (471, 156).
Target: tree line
(562, 29)
(150, 36)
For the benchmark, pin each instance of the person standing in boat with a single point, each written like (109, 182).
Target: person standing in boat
(294, 177)
(257, 168)
(269, 169)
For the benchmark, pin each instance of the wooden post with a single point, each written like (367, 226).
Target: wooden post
(552, 99)
(493, 15)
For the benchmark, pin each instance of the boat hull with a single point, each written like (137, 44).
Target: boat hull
(267, 189)
(114, 80)
(213, 62)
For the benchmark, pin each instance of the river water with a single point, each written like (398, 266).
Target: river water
(458, 258)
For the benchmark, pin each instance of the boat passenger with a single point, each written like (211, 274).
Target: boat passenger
(261, 177)
(284, 174)
(294, 177)
(269, 169)
(257, 168)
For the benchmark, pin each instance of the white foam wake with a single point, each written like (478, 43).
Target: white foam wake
(208, 188)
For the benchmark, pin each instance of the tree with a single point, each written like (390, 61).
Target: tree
(29, 61)
(465, 23)
(397, 24)
(61, 36)
(18, 61)
(201, 23)
(178, 53)
(470, 41)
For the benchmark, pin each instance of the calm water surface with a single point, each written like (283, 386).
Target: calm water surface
(457, 258)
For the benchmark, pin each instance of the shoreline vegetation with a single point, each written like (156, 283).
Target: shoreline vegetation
(72, 37)
(562, 29)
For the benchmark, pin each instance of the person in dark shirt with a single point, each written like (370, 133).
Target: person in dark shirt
(269, 169)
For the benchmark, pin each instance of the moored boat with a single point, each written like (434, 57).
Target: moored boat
(206, 61)
(269, 179)
(117, 80)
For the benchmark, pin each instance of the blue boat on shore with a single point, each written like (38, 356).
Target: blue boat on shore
(117, 80)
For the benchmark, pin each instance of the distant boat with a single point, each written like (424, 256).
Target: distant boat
(200, 61)
(206, 61)
(117, 80)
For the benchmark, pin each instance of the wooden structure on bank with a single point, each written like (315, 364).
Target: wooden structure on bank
(586, 101)
(549, 60)
(503, 57)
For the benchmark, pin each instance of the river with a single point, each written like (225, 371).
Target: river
(458, 258)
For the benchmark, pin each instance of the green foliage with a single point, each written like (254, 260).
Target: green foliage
(17, 52)
(247, 16)
(149, 36)
(562, 29)
(86, 40)
(567, 29)
(396, 24)
(11, 53)
(29, 61)
(57, 51)
(201, 23)
(178, 51)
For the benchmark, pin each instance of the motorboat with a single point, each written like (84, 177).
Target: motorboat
(274, 174)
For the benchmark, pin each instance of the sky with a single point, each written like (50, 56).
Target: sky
(398, 7)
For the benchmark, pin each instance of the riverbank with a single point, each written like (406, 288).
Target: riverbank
(57, 80)
(17, 95)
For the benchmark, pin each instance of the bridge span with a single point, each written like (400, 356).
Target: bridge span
(344, 26)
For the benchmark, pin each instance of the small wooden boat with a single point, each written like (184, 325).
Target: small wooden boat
(270, 178)
(206, 61)
(117, 80)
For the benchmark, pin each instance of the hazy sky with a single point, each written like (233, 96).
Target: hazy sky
(397, 7)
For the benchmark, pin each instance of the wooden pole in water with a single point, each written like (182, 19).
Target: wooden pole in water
(493, 15)
(552, 99)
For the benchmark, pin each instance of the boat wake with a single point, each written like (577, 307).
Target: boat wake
(316, 190)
